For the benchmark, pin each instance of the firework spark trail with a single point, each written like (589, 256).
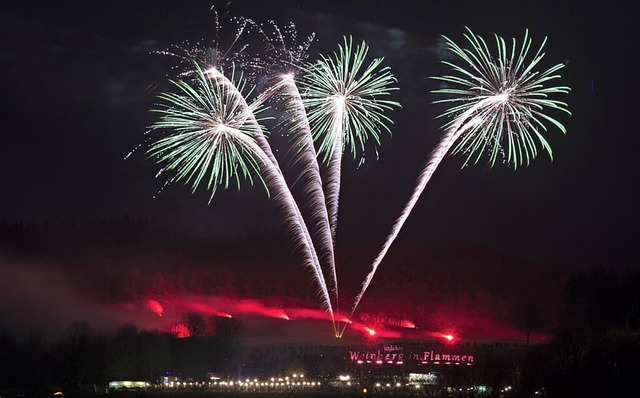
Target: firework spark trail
(302, 142)
(330, 118)
(281, 61)
(300, 228)
(500, 103)
(334, 164)
(437, 155)
(333, 191)
(213, 131)
(282, 196)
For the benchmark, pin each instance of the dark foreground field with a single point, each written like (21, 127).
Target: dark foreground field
(201, 394)
(293, 394)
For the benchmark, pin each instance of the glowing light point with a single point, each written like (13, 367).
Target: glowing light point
(449, 337)
(211, 71)
(502, 98)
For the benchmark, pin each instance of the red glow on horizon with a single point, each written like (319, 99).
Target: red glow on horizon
(408, 324)
(254, 307)
(210, 306)
(377, 332)
(307, 313)
(155, 307)
(201, 306)
(180, 330)
(341, 318)
(173, 307)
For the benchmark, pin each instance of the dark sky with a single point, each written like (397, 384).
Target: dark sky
(75, 98)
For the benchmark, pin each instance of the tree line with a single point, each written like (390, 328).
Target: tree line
(82, 355)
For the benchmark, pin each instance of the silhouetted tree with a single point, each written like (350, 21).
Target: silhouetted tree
(228, 342)
(602, 299)
(122, 355)
(594, 363)
(155, 354)
(195, 324)
(79, 355)
(595, 353)
(296, 366)
(527, 316)
(32, 361)
(8, 352)
(630, 298)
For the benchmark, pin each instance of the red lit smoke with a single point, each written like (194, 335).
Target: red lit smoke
(155, 307)
(173, 308)
(180, 330)
(40, 290)
(408, 324)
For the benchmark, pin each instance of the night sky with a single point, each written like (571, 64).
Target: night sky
(77, 85)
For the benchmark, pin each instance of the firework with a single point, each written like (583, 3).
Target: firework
(346, 100)
(283, 52)
(498, 108)
(216, 60)
(213, 53)
(241, 101)
(513, 116)
(206, 120)
(211, 140)
(214, 139)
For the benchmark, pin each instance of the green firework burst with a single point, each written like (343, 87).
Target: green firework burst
(511, 120)
(346, 99)
(205, 126)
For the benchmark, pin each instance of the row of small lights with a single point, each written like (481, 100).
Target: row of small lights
(273, 382)
(240, 383)
(287, 382)
(347, 380)
(506, 389)
(282, 382)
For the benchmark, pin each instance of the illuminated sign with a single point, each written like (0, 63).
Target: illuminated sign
(395, 355)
